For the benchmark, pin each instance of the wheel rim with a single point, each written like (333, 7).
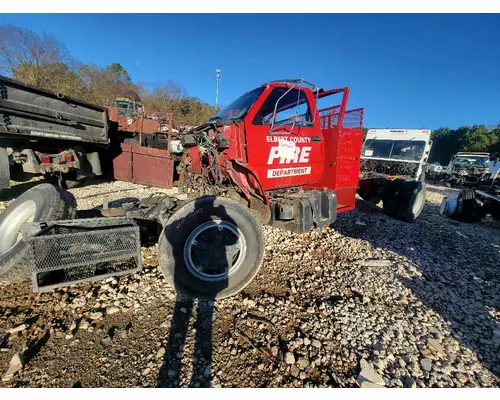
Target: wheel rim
(214, 251)
(418, 203)
(10, 228)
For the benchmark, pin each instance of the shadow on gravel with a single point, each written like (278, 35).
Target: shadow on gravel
(170, 372)
(459, 265)
(208, 255)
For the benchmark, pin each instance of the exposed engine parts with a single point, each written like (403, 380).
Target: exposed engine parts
(392, 168)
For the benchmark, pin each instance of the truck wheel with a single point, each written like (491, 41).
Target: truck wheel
(389, 197)
(211, 248)
(411, 200)
(43, 202)
(464, 207)
(404, 200)
(4, 169)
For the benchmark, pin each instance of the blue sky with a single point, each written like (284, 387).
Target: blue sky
(407, 71)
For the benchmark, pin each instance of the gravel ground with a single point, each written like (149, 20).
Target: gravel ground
(373, 302)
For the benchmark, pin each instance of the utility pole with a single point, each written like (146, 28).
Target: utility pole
(217, 78)
(138, 68)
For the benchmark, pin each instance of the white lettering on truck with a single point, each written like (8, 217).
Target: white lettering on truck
(294, 139)
(282, 172)
(298, 155)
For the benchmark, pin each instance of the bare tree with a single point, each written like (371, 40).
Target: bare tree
(41, 60)
(25, 54)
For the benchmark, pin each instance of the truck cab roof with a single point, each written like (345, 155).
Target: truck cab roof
(472, 154)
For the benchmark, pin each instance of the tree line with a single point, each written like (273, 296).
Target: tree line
(446, 142)
(42, 60)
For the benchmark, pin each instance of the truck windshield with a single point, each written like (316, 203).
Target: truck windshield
(238, 108)
(482, 161)
(411, 150)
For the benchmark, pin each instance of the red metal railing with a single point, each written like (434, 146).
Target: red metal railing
(329, 118)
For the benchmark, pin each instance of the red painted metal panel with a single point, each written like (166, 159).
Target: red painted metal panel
(152, 167)
(144, 165)
(343, 135)
(122, 164)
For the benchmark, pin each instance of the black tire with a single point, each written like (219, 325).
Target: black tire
(4, 169)
(494, 211)
(411, 201)
(367, 192)
(404, 200)
(466, 194)
(177, 236)
(389, 197)
(469, 210)
(50, 203)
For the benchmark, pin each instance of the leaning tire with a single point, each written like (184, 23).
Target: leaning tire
(389, 197)
(211, 248)
(43, 202)
(405, 200)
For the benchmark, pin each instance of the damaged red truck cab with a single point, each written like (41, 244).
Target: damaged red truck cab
(300, 161)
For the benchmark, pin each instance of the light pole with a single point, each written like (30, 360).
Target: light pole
(217, 78)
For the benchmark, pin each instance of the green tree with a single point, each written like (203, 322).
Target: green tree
(119, 72)
(478, 138)
(447, 142)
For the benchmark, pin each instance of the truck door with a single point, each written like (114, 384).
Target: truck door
(284, 142)
(343, 138)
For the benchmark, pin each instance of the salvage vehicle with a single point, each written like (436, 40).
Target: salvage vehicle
(68, 140)
(472, 205)
(47, 133)
(393, 165)
(270, 157)
(467, 169)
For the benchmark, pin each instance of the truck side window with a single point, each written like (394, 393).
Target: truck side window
(293, 105)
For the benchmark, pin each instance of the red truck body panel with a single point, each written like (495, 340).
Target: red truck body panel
(323, 156)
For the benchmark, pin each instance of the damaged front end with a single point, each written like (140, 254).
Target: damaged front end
(469, 175)
(408, 170)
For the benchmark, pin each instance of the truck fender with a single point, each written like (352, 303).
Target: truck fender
(247, 180)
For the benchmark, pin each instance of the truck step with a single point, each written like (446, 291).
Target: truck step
(67, 252)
